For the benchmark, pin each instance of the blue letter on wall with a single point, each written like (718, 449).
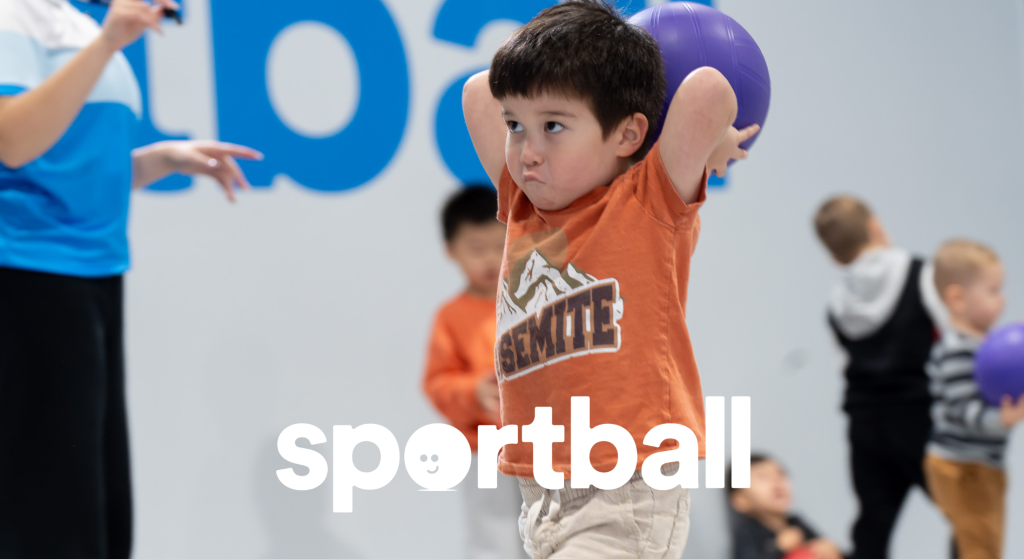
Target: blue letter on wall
(459, 22)
(353, 156)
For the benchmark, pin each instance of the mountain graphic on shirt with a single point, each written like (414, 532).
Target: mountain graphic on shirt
(540, 283)
(547, 315)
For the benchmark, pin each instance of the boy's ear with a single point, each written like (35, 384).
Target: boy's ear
(876, 233)
(448, 250)
(953, 297)
(631, 135)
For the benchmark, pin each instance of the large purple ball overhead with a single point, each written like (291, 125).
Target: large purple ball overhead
(693, 35)
(999, 364)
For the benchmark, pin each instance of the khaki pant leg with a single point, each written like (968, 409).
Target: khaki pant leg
(972, 496)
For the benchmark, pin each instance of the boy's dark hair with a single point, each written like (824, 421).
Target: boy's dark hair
(472, 204)
(755, 459)
(842, 226)
(585, 49)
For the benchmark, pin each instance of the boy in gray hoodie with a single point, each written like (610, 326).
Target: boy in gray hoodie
(886, 313)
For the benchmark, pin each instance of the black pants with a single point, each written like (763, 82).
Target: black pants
(887, 457)
(65, 490)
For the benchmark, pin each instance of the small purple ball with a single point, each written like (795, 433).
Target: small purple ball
(693, 35)
(999, 364)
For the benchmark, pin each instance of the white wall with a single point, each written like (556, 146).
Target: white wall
(295, 306)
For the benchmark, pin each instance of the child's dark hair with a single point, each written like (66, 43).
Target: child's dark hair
(585, 49)
(755, 459)
(472, 204)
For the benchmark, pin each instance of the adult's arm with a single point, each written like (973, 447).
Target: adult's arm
(33, 121)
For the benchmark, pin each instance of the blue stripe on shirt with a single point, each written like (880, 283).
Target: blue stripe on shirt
(66, 212)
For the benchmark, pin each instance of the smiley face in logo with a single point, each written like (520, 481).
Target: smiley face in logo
(423, 458)
(437, 457)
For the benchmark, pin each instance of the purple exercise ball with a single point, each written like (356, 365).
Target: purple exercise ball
(693, 35)
(999, 364)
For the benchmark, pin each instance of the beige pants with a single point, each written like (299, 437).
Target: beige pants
(973, 498)
(633, 521)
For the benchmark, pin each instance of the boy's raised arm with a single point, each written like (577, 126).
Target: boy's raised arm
(698, 131)
(486, 126)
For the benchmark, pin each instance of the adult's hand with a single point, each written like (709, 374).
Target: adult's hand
(127, 19)
(193, 157)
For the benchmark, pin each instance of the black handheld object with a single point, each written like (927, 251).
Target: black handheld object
(173, 14)
(168, 12)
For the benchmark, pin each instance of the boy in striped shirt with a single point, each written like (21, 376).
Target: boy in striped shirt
(964, 461)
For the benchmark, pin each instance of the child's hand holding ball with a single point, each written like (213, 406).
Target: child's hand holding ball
(1009, 413)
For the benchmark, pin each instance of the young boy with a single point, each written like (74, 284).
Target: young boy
(601, 226)
(884, 312)
(460, 378)
(964, 465)
(763, 526)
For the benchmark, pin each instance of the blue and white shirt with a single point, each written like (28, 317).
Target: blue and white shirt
(67, 211)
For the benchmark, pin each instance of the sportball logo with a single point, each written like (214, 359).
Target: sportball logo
(438, 457)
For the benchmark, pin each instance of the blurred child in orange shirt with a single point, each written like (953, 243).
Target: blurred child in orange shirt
(460, 378)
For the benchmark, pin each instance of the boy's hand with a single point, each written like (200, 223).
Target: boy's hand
(789, 539)
(487, 396)
(729, 148)
(1009, 413)
(825, 549)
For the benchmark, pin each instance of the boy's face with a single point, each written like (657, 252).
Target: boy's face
(556, 152)
(980, 302)
(769, 491)
(478, 249)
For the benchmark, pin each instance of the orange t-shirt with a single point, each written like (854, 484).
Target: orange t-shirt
(461, 353)
(602, 281)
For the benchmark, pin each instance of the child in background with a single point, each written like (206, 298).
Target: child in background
(885, 313)
(763, 526)
(601, 226)
(964, 465)
(460, 378)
